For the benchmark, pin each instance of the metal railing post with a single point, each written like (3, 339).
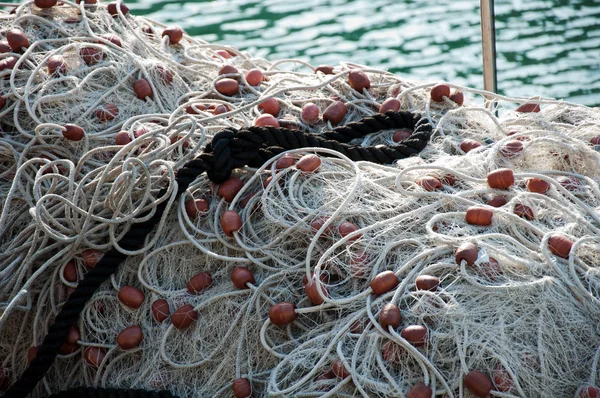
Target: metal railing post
(488, 40)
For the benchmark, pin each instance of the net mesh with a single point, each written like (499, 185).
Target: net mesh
(522, 315)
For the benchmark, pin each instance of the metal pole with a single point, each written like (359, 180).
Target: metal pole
(488, 36)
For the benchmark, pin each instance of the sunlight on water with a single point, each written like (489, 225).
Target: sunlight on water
(549, 48)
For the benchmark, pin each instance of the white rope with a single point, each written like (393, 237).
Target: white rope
(531, 313)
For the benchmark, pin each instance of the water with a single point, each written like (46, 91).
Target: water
(549, 48)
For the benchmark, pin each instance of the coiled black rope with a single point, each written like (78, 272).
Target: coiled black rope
(229, 149)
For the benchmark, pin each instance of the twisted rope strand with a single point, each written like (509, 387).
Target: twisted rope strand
(228, 150)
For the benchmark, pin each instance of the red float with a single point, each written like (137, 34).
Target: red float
(523, 211)
(57, 65)
(266, 120)
(569, 183)
(90, 257)
(107, 113)
(335, 112)
(502, 379)
(231, 222)
(196, 207)
(511, 148)
(560, 245)
(479, 216)
(429, 183)
(94, 356)
(32, 353)
(497, 201)
(220, 109)
(309, 163)
(175, 34)
(254, 77)
(242, 388)
(91, 55)
(325, 69)
(468, 145)
(72, 132)
(114, 39)
(227, 87)
(467, 251)
(427, 282)
(448, 179)
(390, 316)
(230, 188)
(70, 272)
(17, 40)
(228, 70)
(131, 297)
(165, 74)
(130, 337)
(415, 335)
(458, 97)
(478, 384)
(270, 106)
(45, 3)
(283, 314)
(537, 185)
(112, 9)
(195, 109)
(285, 161)
(401, 135)
(439, 91)
(587, 392)
(184, 316)
(346, 228)
(339, 369)
(73, 336)
(142, 89)
(223, 54)
(384, 282)
(419, 390)
(310, 113)
(390, 104)
(528, 108)
(359, 80)
(312, 292)
(160, 310)
(199, 283)
(392, 352)
(241, 276)
(501, 179)
(316, 224)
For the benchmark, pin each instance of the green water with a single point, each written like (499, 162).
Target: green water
(549, 48)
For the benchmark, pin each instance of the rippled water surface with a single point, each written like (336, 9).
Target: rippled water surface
(549, 48)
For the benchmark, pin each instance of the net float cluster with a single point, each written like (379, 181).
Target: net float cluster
(306, 276)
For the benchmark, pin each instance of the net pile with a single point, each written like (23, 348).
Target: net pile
(520, 304)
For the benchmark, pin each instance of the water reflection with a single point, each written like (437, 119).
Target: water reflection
(549, 48)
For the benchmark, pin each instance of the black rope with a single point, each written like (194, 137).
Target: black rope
(88, 392)
(229, 149)
(377, 122)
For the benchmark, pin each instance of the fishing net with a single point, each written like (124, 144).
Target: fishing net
(520, 305)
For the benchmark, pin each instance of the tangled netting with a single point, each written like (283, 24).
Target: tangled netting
(521, 305)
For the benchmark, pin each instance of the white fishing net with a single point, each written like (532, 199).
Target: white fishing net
(520, 314)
